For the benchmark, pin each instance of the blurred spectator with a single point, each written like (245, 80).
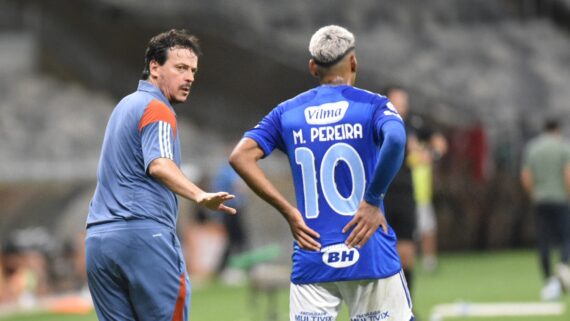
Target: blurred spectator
(228, 180)
(2, 282)
(430, 147)
(400, 203)
(25, 267)
(69, 274)
(545, 177)
(205, 240)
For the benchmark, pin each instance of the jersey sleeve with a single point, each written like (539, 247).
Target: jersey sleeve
(157, 128)
(390, 158)
(384, 112)
(267, 133)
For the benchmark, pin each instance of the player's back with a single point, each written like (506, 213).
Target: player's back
(332, 137)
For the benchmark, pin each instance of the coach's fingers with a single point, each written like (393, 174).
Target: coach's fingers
(224, 196)
(227, 209)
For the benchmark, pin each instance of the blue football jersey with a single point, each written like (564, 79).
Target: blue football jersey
(332, 135)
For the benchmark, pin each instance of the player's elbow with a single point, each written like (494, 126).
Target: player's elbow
(396, 141)
(237, 159)
(244, 155)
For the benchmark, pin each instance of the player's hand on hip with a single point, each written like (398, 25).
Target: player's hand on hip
(303, 234)
(364, 224)
(215, 201)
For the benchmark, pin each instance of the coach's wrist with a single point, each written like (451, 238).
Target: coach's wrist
(199, 197)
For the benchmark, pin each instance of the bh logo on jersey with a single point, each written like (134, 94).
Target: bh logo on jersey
(340, 256)
(329, 113)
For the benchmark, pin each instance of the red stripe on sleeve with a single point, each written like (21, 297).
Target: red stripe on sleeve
(179, 308)
(157, 111)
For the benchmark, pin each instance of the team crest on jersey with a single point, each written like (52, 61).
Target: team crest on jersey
(391, 107)
(328, 113)
(340, 256)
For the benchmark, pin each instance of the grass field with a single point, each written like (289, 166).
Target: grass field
(511, 276)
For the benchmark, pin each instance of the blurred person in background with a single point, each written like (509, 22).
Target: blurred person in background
(400, 203)
(2, 282)
(345, 145)
(25, 270)
(430, 147)
(135, 266)
(545, 176)
(226, 179)
(204, 238)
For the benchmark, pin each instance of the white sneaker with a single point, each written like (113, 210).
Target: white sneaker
(563, 273)
(552, 290)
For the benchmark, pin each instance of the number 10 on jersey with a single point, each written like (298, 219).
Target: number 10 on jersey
(339, 152)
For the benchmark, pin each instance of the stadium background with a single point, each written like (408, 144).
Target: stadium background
(486, 73)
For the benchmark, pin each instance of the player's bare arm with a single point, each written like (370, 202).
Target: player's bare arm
(166, 171)
(244, 159)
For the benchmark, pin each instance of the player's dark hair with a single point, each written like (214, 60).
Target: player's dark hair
(158, 46)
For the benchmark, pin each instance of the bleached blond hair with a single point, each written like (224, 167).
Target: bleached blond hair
(330, 44)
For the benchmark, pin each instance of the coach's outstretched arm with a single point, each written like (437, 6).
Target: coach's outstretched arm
(244, 159)
(166, 171)
(369, 215)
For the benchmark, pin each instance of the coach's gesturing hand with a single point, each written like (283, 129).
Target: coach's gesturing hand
(169, 174)
(215, 201)
(365, 222)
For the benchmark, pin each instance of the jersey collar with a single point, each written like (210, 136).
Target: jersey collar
(153, 90)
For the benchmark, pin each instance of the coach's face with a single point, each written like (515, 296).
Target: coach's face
(175, 77)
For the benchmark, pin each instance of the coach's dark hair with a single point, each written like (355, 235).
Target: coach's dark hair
(159, 45)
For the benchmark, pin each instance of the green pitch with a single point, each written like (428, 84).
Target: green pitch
(511, 276)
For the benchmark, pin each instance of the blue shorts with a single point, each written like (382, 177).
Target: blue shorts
(136, 271)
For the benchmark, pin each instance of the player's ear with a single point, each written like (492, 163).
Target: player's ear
(313, 68)
(353, 63)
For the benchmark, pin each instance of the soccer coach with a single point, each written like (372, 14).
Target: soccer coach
(135, 266)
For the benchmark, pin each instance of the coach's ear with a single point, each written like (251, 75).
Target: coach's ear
(153, 67)
(313, 68)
